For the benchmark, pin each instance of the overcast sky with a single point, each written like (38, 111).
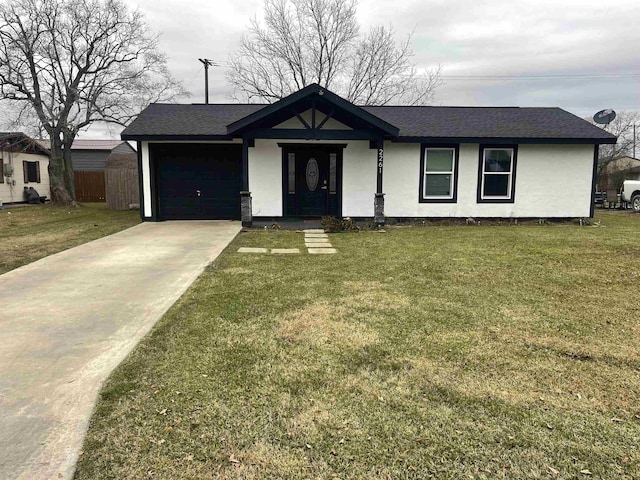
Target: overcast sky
(581, 55)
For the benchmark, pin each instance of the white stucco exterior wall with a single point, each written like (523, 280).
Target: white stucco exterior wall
(9, 192)
(265, 178)
(358, 179)
(146, 180)
(551, 181)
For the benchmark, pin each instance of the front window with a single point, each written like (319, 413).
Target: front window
(497, 169)
(31, 172)
(438, 174)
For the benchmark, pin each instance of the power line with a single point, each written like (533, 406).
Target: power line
(569, 76)
(194, 77)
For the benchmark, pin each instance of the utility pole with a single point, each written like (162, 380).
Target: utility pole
(634, 140)
(207, 63)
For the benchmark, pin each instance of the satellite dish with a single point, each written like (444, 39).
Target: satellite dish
(604, 117)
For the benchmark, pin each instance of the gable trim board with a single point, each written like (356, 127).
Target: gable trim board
(552, 157)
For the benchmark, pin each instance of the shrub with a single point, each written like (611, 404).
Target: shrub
(334, 224)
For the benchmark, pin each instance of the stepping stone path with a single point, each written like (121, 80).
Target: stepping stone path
(252, 250)
(266, 250)
(317, 242)
(285, 250)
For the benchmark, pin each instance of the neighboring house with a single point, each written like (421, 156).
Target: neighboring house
(89, 159)
(613, 173)
(314, 153)
(91, 155)
(23, 163)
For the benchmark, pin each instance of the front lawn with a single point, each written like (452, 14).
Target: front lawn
(422, 352)
(32, 232)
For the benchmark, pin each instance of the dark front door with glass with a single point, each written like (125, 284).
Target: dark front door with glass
(312, 179)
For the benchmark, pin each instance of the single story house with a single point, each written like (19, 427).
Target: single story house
(23, 163)
(314, 153)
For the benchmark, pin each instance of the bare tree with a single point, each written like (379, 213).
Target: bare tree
(65, 64)
(621, 127)
(319, 41)
(611, 166)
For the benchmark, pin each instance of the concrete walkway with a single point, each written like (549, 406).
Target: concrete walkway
(68, 320)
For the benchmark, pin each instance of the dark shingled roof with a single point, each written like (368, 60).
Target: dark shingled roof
(179, 120)
(479, 122)
(191, 120)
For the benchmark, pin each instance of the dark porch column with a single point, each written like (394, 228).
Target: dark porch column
(246, 214)
(378, 202)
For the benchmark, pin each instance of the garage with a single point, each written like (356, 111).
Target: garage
(197, 181)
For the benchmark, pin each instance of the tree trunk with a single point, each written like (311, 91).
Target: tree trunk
(59, 176)
(69, 179)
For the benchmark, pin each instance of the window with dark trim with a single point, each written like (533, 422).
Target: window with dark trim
(291, 158)
(31, 172)
(497, 173)
(333, 169)
(438, 174)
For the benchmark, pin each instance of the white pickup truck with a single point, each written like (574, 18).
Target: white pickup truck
(630, 192)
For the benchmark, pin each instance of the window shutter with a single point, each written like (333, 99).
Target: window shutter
(37, 172)
(25, 171)
(1, 170)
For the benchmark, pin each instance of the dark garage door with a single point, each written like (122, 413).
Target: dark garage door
(198, 181)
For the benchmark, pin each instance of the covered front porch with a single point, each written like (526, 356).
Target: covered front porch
(312, 154)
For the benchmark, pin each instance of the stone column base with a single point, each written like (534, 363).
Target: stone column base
(378, 209)
(246, 214)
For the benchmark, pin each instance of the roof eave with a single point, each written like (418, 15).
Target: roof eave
(507, 140)
(146, 137)
(33, 144)
(398, 139)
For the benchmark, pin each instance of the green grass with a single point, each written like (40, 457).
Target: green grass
(30, 233)
(423, 352)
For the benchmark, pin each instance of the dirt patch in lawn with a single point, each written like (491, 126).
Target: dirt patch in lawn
(322, 324)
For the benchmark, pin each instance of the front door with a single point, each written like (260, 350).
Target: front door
(313, 178)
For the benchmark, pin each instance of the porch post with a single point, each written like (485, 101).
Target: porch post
(378, 202)
(246, 214)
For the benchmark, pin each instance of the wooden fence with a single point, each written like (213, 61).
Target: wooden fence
(121, 175)
(90, 186)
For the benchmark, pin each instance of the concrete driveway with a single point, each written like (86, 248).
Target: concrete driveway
(68, 320)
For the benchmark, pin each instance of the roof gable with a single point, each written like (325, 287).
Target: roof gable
(307, 120)
(312, 97)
